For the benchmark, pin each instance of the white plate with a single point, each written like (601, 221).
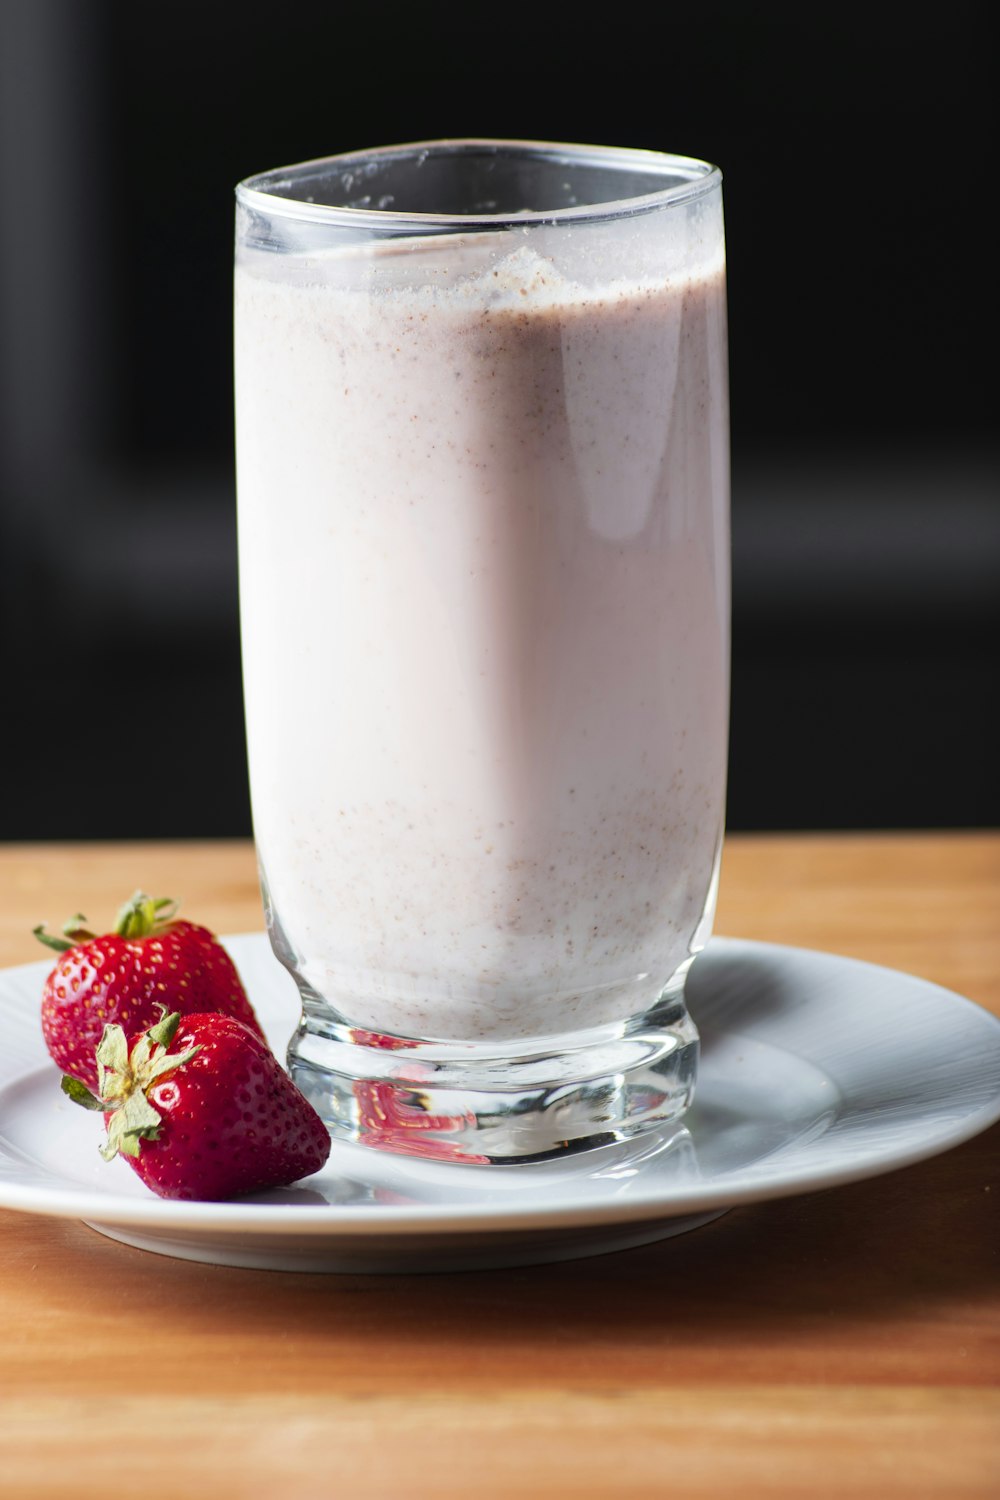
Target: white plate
(816, 1070)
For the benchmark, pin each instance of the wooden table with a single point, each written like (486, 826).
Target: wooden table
(842, 1343)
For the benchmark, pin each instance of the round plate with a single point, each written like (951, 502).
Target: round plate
(816, 1070)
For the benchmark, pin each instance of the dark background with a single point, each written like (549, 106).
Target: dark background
(855, 146)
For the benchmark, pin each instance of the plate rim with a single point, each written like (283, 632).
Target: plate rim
(343, 1222)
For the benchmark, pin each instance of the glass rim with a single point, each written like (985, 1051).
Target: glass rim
(259, 191)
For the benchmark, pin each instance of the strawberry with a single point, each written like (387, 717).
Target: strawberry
(201, 1109)
(149, 961)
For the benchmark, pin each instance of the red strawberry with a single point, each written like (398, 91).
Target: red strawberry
(200, 1109)
(125, 977)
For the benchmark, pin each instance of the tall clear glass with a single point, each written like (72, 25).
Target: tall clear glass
(483, 477)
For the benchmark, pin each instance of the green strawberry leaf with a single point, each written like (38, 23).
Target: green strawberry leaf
(165, 1029)
(133, 1121)
(166, 1062)
(61, 945)
(79, 1092)
(112, 1058)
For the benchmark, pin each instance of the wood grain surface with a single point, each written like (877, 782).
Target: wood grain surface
(842, 1343)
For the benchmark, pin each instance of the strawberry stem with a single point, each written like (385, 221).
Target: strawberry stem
(141, 915)
(137, 917)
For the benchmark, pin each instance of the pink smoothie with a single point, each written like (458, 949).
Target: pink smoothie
(484, 574)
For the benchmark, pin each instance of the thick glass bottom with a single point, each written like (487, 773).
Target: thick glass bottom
(496, 1102)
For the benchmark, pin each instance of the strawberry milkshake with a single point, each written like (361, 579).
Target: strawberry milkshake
(483, 516)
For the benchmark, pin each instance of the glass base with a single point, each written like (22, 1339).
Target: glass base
(485, 1102)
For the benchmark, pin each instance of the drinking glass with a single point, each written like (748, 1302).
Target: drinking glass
(482, 454)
